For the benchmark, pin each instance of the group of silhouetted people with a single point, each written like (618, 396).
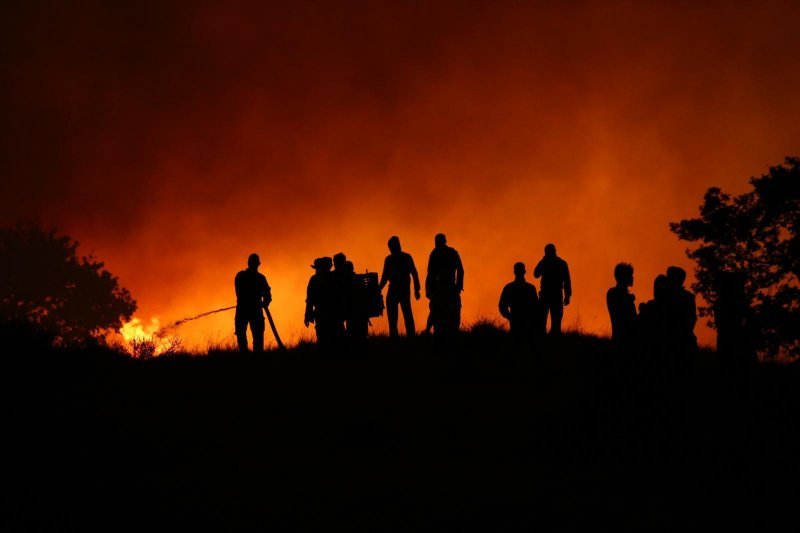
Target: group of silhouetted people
(525, 309)
(664, 324)
(337, 302)
(340, 302)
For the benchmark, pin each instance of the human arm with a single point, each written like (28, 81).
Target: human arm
(384, 274)
(610, 305)
(414, 276)
(567, 284)
(504, 304)
(537, 271)
(309, 314)
(266, 292)
(459, 274)
(429, 279)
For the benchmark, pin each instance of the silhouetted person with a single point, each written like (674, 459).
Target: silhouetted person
(321, 308)
(443, 285)
(556, 288)
(682, 311)
(252, 295)
(654, 316)
(398, 272)
(732, 320)
(621, 305)
(356, 315)
(519, 304)
(342, 281)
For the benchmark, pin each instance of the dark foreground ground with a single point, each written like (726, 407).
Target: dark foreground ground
(465, 435)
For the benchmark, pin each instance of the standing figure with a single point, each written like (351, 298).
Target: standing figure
(682, 312)
(654, 317)
(398, 271)
(357, 314)
(252, 295)
(621, 305)
(732, 320)
(556, 287)
(321, 307)
(519, 304)
(341, 280)
(443, 285)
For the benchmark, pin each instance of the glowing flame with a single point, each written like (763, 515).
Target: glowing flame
(147, 340)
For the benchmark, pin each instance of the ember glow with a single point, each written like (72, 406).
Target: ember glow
(173, 140)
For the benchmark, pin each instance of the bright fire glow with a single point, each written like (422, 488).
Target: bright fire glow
(142, 339)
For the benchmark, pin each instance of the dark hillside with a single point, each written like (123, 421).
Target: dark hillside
(405, 435)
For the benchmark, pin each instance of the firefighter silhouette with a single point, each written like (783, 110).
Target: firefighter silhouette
(398, 272)
(622, 305)
(341, 281)
(556, 287)
(321, 308)
(356, 312)
(519, 304)
(252, 295)
(682, 311)
(443, 285)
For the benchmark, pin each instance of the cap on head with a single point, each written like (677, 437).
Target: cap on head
(519, 268)
(394, 243)
(322, 263)
(550, 249)
(253, 260)
(440, 239)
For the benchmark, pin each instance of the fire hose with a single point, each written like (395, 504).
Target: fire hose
(201, 315)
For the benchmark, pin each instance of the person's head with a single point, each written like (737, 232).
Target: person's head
(660, 288)
(322, 264)
(676, 276)
(519, 269)
(339, 260)
(348, 267)
(253, 261)
(394, 244)
(440, 240)
(550, 249)
(623, 273)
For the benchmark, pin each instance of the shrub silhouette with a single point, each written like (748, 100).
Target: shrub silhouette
(43, 282)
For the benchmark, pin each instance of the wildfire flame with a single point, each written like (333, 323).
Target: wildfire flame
(147, 340)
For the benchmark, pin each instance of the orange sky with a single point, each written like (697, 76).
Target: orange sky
(175, 140)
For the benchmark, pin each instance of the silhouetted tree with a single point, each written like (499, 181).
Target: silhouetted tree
(43, 282)
(754, 235)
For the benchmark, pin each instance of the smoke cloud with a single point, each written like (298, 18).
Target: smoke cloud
(174, 139)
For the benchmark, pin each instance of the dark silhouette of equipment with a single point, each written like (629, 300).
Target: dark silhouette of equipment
(169, 327)
(367, 287)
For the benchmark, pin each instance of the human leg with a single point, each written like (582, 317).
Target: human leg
(240, 329)
(391, 312)
(408, 316)
(556, 314)
(257, 329)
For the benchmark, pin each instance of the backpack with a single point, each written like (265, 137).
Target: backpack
(369, 293)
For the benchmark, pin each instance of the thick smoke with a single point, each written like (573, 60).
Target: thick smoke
(174, 140)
